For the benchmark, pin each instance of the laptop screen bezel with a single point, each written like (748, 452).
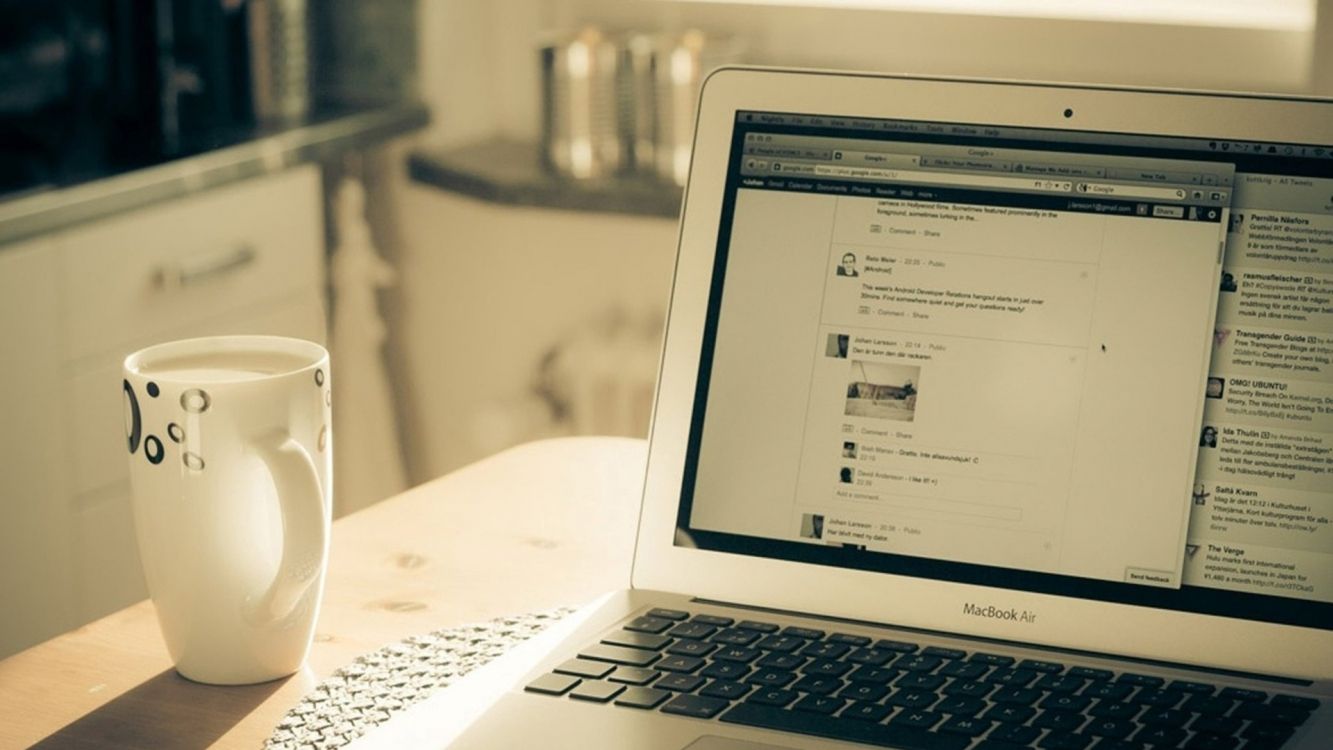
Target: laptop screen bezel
(1062, 621)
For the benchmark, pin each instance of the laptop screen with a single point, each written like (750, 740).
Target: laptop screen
(1083, 364)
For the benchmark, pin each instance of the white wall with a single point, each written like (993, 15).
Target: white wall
(486, 288)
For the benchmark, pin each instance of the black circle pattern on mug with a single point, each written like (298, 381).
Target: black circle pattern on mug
(319, 376)
(133, 418)
(175, 432)
(192, 461)
(328, 397)
(323, 437)
(153, 389)
(152, 449)
(195, 401)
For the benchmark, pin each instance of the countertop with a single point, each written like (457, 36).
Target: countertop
(266, 150)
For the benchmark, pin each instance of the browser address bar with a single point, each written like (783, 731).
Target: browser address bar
(939, 178)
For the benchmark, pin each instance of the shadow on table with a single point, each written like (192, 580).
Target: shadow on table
(166, 711)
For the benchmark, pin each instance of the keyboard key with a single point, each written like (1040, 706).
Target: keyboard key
(1241, 694)
(1193, 688)
(819, 704)
(838, 728)
(863, 711)
(697, 706)
(966, 726)
(1013, 677)
(641, 697)
(872, 656)
(1164, 717)
(991, 660)
(917, 719)
(960, 706)
(758, 627)
(848, 639)
(724, 670)
(771, 677)
(1111, 709)
(918, 663)
(1269, 713)
(598, 691)
(781, 643)
(682, 683)
(788, 662)
(825, 650)
(944, 653)
(1010, 714)
(772, 696)
(725, 689)
(1037, 665)
(647, 624)
(1116, 729)
(864, 691)
(1267, 735)
(877, 675)
(1015, 733)
(693, 630)
(1295, 701)
(633, 675)
(585, 668)
(1141, 680)
(679, 664)
(827, 668)
(963, 670)
(913, 699)
(1065, 702)
(1211, 742)
(818, 685)
(714, 620)
(900, 646)
(1059, 721)
(686, 647)
(552, 684)
(739, 654)
(669, 614)
(1091, 673)
(969, 688)
(808, 634)
(634, 657)
(1061, 683)
(1216, 725)
(1065, 741)
(1159, 698)
(913, 681)
(633, 639)
(1108, 691)
(1160, 736)
(1208, 705)
(1021, 696)
(736, 637)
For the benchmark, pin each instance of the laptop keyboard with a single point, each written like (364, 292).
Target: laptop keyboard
(891, 693)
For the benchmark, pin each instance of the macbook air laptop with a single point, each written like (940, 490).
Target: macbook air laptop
(991, 415)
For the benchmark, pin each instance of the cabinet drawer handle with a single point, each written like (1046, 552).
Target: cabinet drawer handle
(204, 267)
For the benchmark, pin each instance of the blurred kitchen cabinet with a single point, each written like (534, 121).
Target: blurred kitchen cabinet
(244, 258)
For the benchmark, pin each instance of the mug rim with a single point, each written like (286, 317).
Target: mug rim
(312, 354)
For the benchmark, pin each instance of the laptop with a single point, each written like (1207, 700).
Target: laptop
(991, 415)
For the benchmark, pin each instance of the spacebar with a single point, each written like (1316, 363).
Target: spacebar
(850, 730)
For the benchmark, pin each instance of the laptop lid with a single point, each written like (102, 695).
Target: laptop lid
(1030, 362)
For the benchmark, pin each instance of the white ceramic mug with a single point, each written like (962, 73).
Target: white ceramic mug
(230, 463)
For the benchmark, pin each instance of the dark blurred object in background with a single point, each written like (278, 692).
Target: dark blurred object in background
(365, 53)
(89, 87)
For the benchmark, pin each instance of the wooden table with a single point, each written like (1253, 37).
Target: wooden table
(539, 526)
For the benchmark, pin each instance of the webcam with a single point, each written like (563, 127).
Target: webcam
(1069, 113)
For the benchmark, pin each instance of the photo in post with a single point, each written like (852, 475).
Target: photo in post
(882, 391)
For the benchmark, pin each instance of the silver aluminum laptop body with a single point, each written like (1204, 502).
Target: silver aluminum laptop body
(1005, 372)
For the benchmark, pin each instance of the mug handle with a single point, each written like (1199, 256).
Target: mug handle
(305, 526)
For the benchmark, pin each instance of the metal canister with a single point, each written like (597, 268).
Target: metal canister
(581, 111)
(680, 64)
